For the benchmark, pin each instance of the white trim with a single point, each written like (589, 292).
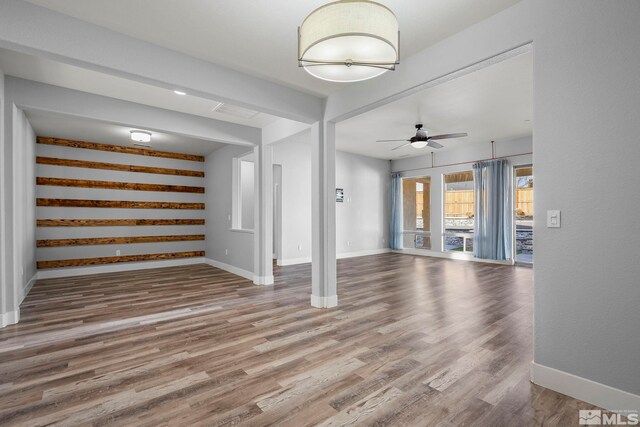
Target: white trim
(263, 280)
(230, 268)
(450, 255)
(113, 268)
(598, 394)
(9, 318)
(306, 260)
(241, 230)
(27, 288)
(293, 261)
(363, 253)
(324, 302)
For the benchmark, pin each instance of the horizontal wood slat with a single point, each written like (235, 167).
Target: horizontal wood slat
(117, 149)
(116, 167)
(122, 204)
(117, 259)
(115, 222)
(114, 185)
(51, 243)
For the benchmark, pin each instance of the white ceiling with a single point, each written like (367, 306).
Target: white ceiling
(58, 74)
(259, 37)
(493, 103)
(66, 127)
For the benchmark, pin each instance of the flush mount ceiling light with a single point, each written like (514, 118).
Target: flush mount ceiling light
(179, 92)
(140, 136)
(349, 41)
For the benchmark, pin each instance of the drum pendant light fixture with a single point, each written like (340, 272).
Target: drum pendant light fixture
(349, 41)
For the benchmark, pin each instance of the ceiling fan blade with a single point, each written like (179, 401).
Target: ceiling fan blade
(448, 135)
(403, 145)
(433, 144)
(392, 140)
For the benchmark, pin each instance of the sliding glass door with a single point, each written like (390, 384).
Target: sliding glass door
(523, 211)
(416, 210)
(458, 212)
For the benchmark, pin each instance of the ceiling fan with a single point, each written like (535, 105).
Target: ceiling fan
(422, 140)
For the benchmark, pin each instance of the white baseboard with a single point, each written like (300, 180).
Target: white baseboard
(356, 254)
(9, 318)
(263, 280)
(306, 260)
(114, 268)
(27, 287)
(230, 268)
(589, 391)
(324, 302)
(450, 255)
(293, 261)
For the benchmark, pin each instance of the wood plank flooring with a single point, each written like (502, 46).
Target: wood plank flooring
(414, 341)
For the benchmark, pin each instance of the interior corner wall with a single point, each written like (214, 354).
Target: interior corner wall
(361, 221)
(3, 249)
(586, 153)
(224, 245)
(18, 210)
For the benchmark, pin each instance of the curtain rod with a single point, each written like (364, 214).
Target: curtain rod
(459, 163)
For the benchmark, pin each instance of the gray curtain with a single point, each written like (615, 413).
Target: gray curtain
(395, 235)
(493, 217)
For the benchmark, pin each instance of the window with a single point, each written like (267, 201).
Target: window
(243, 185)
(458, 212)
(416, 210)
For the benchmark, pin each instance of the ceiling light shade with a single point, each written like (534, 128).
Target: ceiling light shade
(140, 136)
(349, 41)
(419, 144)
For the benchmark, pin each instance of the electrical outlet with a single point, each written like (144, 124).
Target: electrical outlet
(228, 217)
(226, 251)
(118, 252)
(299, 248)
(348, 242)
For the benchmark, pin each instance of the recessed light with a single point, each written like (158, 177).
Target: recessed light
(140, 136)
(179, 92)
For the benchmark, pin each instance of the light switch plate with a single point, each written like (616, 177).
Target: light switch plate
(553, 219)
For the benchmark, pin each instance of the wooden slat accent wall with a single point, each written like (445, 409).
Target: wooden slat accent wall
(117, 149)
(91, 247)
(114, 185)
(122, 204)
(116, 167)
(115, 222)
(78, 262)
(51, 243)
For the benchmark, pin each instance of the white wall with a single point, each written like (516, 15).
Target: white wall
(224, 245)
(18, 210)
(518, 152)
(363, 220)
(587, 148)
(24, 199)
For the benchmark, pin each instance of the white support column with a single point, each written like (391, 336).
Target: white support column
(263, 221)
(323, 188)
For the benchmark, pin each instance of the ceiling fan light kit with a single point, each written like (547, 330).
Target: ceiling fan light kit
(421, 139)
(349, 41)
